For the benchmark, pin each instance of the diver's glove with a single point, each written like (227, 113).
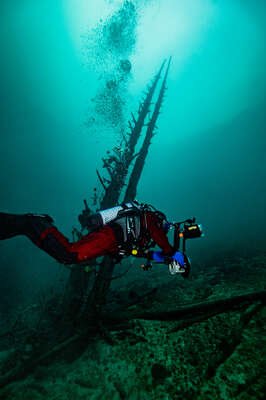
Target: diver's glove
(158, 256)
(177, 258)
(177, 264)
(175, 268)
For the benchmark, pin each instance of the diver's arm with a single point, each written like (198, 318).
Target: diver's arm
(158, 234)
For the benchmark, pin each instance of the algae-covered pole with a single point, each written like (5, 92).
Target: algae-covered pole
(112, 194)
(117, 165)
(120, 170)
(140, 161)
(144, 108)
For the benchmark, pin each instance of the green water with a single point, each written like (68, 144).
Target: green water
(71, 73)
(60, 113)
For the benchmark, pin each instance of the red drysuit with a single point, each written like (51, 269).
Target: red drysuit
(99, 243)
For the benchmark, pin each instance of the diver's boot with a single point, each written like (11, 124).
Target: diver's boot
(11, 225)
(21, 224)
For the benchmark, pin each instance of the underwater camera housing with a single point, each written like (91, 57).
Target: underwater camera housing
(192, 231)
(184, 230)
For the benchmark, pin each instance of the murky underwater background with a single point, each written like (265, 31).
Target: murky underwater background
(71, 74)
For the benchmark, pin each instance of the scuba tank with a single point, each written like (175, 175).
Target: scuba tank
(103, 217)
(110, 214)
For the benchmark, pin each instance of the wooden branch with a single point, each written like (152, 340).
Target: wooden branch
(107, 167)
(101, 180)
(193, 310)
(218, 306)
(124, 138)
(196, 320)
(133, 118)
(190, 314)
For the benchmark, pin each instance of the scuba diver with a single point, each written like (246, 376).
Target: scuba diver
(128, 229)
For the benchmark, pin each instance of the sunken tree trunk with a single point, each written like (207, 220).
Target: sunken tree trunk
(131, 191)
(117, 165)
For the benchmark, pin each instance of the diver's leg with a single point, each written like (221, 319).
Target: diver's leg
(41, 231)
(55, 244)
(96, 244)
(13, 224)
(89, 247)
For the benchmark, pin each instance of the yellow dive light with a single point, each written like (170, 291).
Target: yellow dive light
(134, 252)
